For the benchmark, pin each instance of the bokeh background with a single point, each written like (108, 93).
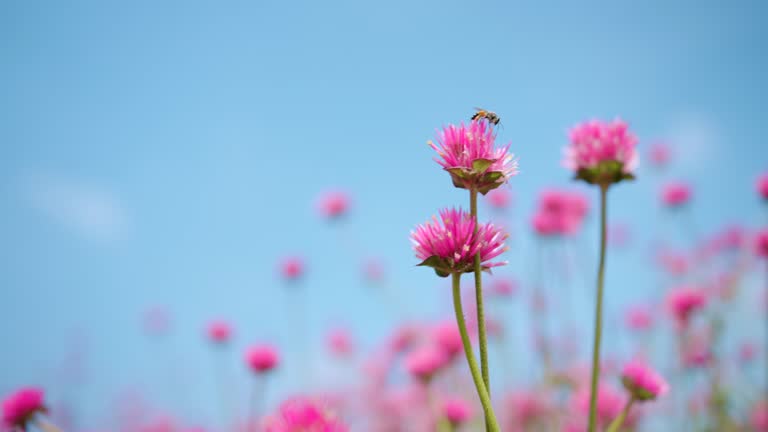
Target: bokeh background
(167, 155)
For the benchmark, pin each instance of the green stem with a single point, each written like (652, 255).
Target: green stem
(598, 313)
(481, 334)
(618, 421)
(485, 400)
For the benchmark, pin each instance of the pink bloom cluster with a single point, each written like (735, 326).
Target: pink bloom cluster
(20, 407)
(560, 212)
(602, 152)
(642, 382)
(450, 244)
(219, 332)
(675, 194)
(684, 301)
(304, 415)
(333, 204)
(262, 358)
(469, 154)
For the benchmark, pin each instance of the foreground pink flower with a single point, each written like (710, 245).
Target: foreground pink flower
(219, 332)
(602, 152)
(262, 358)
(333, 204)
(642, 382)
(684, 301)
(761, 243)
(20, 408)
(469, 154)
(450, 244)
(304, 415)
(676, 194)
(292, 268)
(762, 186)
(423, 363)
(659, 154)
(457, 411)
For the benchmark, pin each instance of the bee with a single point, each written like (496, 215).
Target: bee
(488, 115)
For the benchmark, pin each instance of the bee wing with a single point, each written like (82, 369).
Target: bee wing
(479, 109)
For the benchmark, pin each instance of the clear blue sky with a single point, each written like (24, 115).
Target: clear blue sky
(169, 152)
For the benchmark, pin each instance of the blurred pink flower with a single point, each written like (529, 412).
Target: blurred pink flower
(526, 408)
(762, 185)
(304, 415)
(404, 337)
(747, 352)
(292, 268)
(758, 417)
(500, 198)
(609, 404)
(469, 155)
(446, 335)
(602, 152)
(642, 382)
(684, 301)
(424, 362)
(659, 154)
(340, 342)
(639, 317)
(761, 243)
(457, 411)
(675, 263)
(559, 212)
(333, 204)
(373, 270)
(219, 332)
(503, 287)
(20, 407)
(262, 358)
(450, 245)
(675, 194)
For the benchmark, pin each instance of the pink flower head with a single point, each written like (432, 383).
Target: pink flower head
(759, 416)
(262, 358)
(609, 403)
(499, 198)
(447, 336)
(457, 411)
(20, 407)
(219, 332)
(333, 204)
(602, 152)
(304, 415)
(469, 155)
(676, 194)
(340, 342)
(423, 363)
(450, 245)
(659, 154)
(503, 287)
(642, 382)
(762, 186)
(761, 243)
(684, 301)
(747, 352)
(404, 337)
(560, 212)
(292, 268)
(639, 317)
(526, 407)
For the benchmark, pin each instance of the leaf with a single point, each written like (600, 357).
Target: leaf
(481, 165)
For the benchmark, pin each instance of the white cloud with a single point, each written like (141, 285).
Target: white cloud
(84, 208)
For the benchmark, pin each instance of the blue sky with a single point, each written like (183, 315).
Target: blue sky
(170, 152)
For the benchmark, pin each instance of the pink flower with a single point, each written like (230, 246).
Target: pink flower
(423, 363)
(609, 404)
(761, 243)
(639, 317)
(675, 194)
(333, 204)
(659, 154)
(762, 186)
(675, 263)
(457, 411)
(292, 268)
(219, 332)
(747, 352)
(684, 301)
(759, 416)
(446, 335)
(262, 358)
(526, 407)
(404, 337)
(20, 407)
(450, 245)
(469, 155)
(642, 382)
(503, 287)
(304, 415)
(560, 212)
(340, 342)
(602, 152)
(499, 198)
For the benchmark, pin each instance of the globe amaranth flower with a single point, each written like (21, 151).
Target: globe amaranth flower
(684, 301)
(219, 332)
(21, 407)
(423, 363)
(304, 415)
(602, 152)
(762, 186)
(450, 244)
(642, 382)
(262, 358)
(457, 411)
(761, 243)
(469, 154)
(676, 194)
(333, 204)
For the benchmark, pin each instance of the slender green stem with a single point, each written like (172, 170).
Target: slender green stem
(481, 333)
(598, 313)
(618, 421)
(485, 400)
